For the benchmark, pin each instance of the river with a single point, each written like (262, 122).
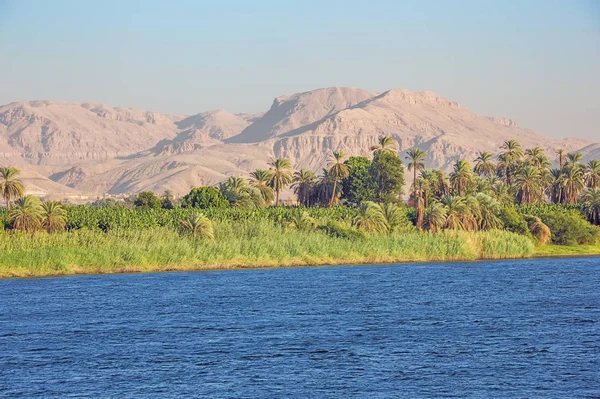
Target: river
(503, 329)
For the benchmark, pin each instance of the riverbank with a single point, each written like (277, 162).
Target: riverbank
(550, 251)
(239, 245)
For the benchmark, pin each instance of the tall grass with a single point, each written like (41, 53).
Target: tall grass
(242, 243)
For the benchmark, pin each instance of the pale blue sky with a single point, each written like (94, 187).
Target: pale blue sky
(537, 62)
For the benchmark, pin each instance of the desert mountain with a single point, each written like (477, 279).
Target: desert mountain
(92, 149)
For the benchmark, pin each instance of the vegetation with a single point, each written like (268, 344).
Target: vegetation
(505, 206)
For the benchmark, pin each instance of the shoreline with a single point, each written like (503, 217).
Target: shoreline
(552, 251)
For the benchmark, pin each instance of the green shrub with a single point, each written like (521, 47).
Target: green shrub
(204, 197)
(337, 229)
(570, 228)
(513, 221)
(147, 199)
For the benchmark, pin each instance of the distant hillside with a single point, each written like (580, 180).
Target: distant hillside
(68, 149)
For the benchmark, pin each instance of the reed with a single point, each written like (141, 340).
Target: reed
(237, 244)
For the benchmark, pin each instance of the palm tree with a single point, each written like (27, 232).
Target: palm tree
(10, 185)
(590, 203)
(239, 194)
(488, 212)
(556, 189)
(304, 181)
(371, 218)
(323, 189)
(509, 159)
(572, 183)
(530, 185)
(484, 165)
(536, 157)
(394, 217)
(503, 194)
(441, 186)
(461, 177)
(260, 180)
(54, 216)
(338, 170)
(385, 143)
(512, 149)
(27, 214)
(561, 158)
(427, 182)
(574, 158)
(281, 175)
(415, 158)
(198, 225)
(302, 222)
(455, 212)
(435, 217)
(592, 176)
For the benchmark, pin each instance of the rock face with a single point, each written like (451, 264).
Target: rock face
(71, 148)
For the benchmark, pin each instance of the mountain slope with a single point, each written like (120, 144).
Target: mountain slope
(71, 148)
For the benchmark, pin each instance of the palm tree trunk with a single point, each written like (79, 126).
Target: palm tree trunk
(420, 211)
(277, 199)
(415, 183)
(8, 203)
(333, 192)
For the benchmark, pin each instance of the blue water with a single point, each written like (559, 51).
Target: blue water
(514, 329)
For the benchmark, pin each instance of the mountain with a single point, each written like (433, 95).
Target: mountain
(89, 149)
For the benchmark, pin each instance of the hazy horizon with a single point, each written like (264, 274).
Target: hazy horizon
(535, 62)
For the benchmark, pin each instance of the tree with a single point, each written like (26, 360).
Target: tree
(359, 186)
(572, 182)
(11, 186)
(27, 214)
(323, 189)
(561, 158)
(240, 194)
(387, 171)
(592, 175)
(394, 216)
(54, 216)
(385, 143)
(147, 199)
(455, 212)
(590, 204)
(371, 218)
(574, 158)
(168, 200)
(435, 217)
(203, 198)
(302, 221)
(462, 177)
(508, 160)
(304, 181)
(338, 170)
(281, 175)
(530, 186)
(260, 180)
(488, 208)
(415, 158)
(198, 225)
(484, 164)
(556, 189)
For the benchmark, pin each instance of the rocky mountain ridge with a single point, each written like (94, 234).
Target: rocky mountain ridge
(89, 149)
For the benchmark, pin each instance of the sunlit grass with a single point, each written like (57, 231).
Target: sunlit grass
(237, 244)
(567, 250)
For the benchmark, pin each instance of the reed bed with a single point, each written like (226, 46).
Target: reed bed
(237, 244)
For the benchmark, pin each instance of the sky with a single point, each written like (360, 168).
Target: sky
(536, 62)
